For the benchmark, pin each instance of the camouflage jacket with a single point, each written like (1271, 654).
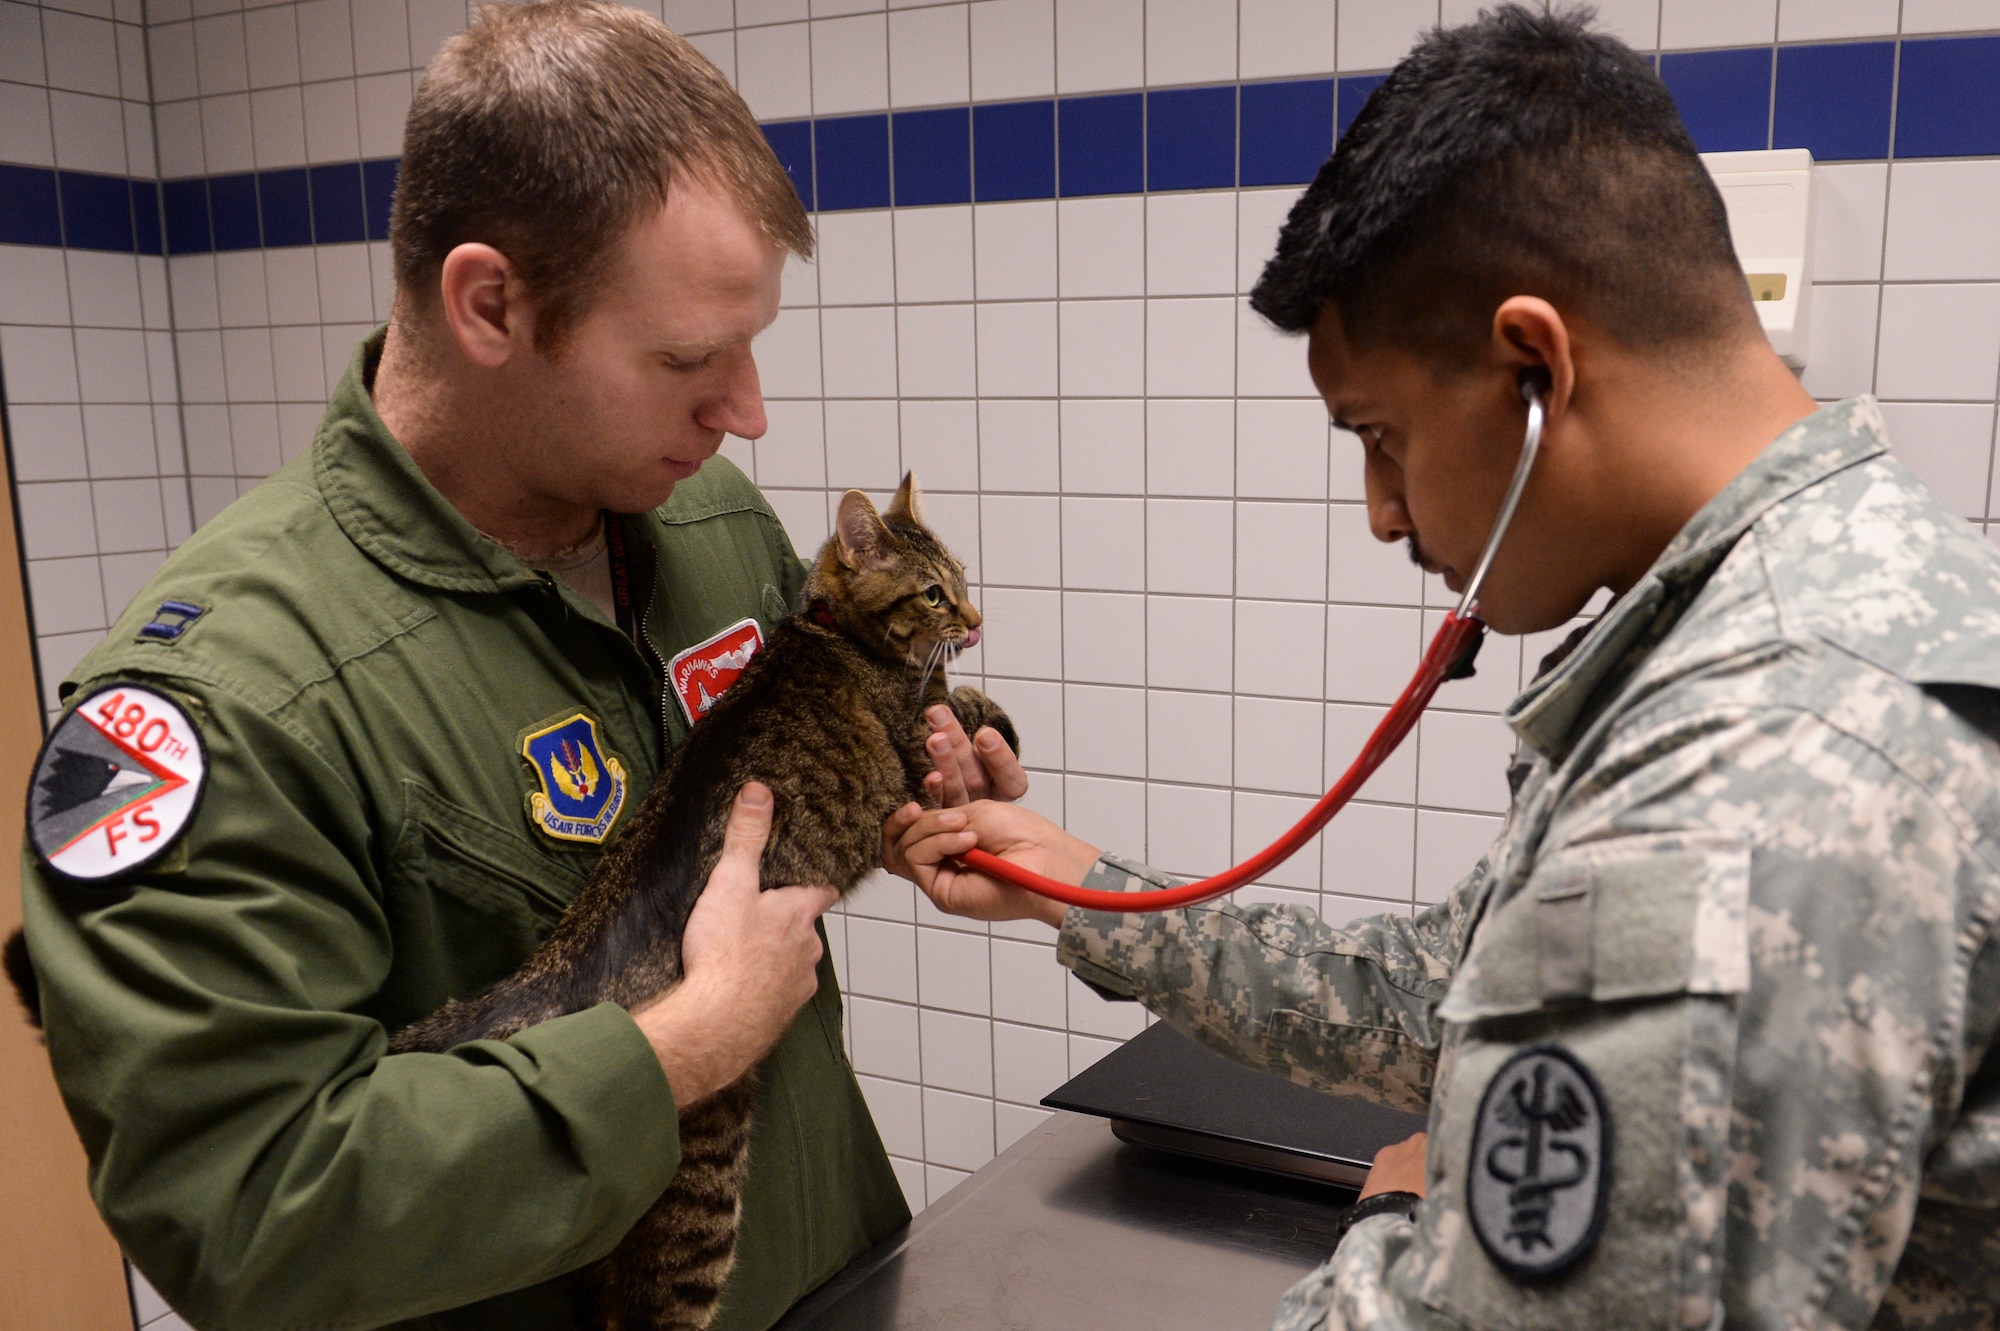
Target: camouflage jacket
(1708, 1035)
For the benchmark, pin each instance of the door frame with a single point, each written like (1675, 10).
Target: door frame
(60, 1268)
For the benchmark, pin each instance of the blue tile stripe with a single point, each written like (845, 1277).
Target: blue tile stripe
(319, 205)
(1724, 96)
(1947, 107)
(1101, 145)
(1839, 99)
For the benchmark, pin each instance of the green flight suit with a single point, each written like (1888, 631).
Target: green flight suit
(363, 675)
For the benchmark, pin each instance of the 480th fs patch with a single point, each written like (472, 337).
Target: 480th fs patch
(115, 783)
(1539, 1180)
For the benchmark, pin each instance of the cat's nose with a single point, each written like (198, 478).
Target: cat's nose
(971, 639)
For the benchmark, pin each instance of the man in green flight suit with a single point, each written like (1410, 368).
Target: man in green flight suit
(355, 747)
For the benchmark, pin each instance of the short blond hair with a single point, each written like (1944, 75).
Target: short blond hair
(547, 130)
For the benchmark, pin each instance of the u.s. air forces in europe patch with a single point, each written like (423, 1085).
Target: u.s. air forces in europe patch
(582, 785)
(1539, 1180)
(115, 783)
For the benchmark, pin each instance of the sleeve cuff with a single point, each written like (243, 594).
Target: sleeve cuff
(1093, 942)
(598, 1070)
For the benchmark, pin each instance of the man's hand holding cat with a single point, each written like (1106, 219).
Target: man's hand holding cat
(979, 768)
(964, 769)
(926, 840)
(747, 960)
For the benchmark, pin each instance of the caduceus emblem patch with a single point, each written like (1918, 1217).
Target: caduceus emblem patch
(1538, 1183)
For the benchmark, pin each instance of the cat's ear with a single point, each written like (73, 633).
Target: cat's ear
(864, 540)
(908, 505)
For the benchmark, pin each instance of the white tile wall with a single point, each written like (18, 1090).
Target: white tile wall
(1135, 471)
(1158, 619)
(850, 65)
(1694, 23)
(86, 357)
(152, 1310)
(1013, 49)
(1284, 37)
(1823, 20)
(929, 56)
(1099, 44)
(1374, 34)
(1930, 236)
(1189, 41)
(1929, 16)
(1849, 219)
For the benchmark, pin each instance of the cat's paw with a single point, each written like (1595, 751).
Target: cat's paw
(974, 709)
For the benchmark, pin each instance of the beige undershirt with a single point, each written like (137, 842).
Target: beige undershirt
(588, 573)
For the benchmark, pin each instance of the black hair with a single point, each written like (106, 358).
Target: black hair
(1520, 154)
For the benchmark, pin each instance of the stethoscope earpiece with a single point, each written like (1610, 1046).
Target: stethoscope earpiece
(1533, 384)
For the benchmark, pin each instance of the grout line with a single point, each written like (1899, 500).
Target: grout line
(827, 479)
(1061, 783)
(1145, 445)
(1326, 760)
(76, 354)
(1063, 690)
(1986, 507)
(1888, 196)
(1771, 98)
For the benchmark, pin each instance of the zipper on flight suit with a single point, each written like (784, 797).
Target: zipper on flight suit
(666, 681)
(621, 577)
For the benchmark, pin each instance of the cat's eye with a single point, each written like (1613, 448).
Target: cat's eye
(933, 596)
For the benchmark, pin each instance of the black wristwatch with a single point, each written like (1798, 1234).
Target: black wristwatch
(1404, 1204)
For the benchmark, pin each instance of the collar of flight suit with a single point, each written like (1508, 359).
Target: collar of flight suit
(386, 505)
(1827, 442)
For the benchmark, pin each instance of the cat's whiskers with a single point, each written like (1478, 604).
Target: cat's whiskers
(931, 662)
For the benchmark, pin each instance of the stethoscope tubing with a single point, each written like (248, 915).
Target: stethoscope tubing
(1448, 656)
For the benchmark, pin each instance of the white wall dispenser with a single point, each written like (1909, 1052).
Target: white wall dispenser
(1769, 195)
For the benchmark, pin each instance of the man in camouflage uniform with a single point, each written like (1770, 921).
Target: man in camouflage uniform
(1707, 1036)
(1748, 878)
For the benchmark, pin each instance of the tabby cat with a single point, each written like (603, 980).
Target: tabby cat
(830, 716)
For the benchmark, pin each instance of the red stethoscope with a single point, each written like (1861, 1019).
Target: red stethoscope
(1449, 656)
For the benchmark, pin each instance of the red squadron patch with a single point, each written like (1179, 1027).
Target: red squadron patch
(703, 673)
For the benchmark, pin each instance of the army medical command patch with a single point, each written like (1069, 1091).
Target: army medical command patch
(1539, 1180)
(583, 787)
(701, 673)
(114, 784)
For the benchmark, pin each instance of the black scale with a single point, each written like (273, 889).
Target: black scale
(1161, 1089)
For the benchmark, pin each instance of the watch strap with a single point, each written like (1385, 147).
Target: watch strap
(1404, 1204)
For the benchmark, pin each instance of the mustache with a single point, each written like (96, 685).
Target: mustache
(1418, 556)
